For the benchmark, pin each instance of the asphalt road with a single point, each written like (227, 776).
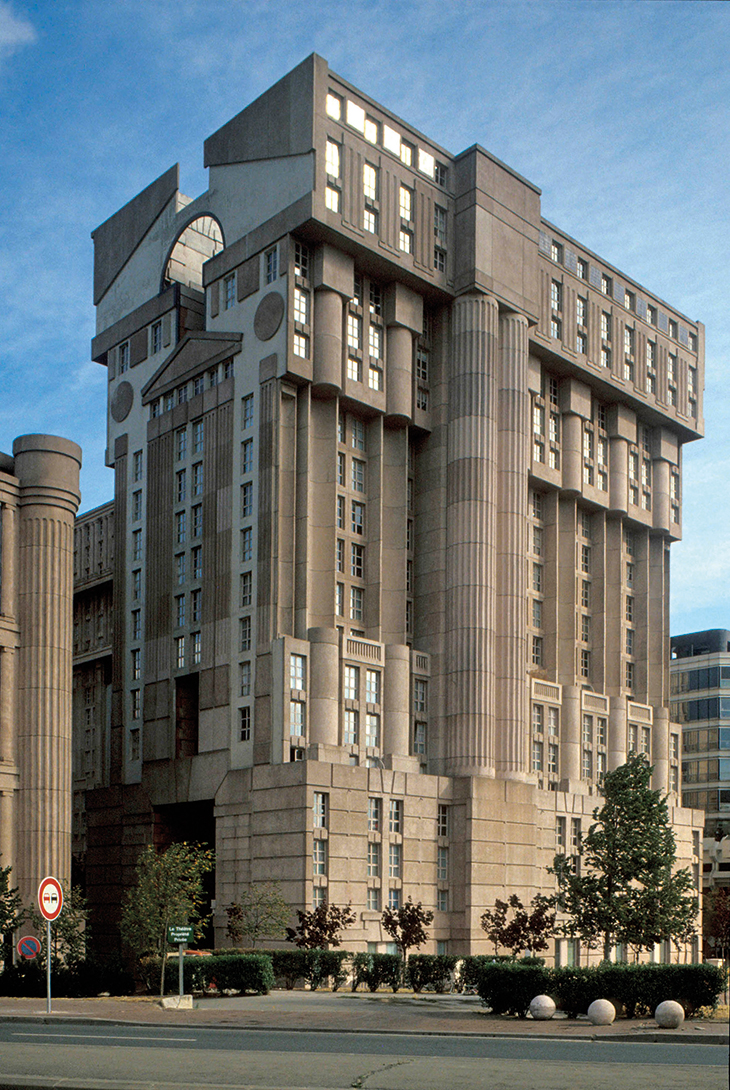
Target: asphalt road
(108, 1057)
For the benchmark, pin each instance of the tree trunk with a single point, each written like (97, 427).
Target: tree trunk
(607, 946)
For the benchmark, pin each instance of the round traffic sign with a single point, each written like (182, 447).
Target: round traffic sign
(50, 898)
(29, 947)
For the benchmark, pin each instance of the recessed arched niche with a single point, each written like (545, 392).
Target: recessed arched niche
(196, 244)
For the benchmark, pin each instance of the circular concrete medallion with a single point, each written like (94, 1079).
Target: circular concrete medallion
(268, 317)
(122, 401)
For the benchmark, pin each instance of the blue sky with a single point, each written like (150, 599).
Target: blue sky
(617, 109)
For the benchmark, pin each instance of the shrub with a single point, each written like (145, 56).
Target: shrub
(638, 988)
(289, 966)
(323, 965)
(509, 987)
(432, 970)
(375, 970)
(224, 972)
(86, 977)
(472, 965)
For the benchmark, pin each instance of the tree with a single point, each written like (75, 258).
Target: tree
(69, 931)
(320, 928)
(716, 922)
(407, 925)
(526, 930)
(621, 887)
(169, 891)
(11, 914)
(261, 913)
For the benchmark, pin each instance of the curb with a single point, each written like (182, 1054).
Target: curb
(637, 1037)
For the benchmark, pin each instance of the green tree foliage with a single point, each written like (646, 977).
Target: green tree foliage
(169, 892)
(529, 929)
(11, 914)
(320, 928)
(69, 931)
(716, 922)
(407, 925)
(622, 887)
(261, 913)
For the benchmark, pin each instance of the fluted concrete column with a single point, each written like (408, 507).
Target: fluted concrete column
(8, 713)
(660, 750)
(399, 384)
(471, 493)
(570, 736)
(324, 685)
(7, 831)
(511, 654)
(617, 733)
(572, 452)
(327, 360)
(397, 700)
(48, 470)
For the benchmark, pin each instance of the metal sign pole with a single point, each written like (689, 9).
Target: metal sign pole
(180, 949)
(48, 966)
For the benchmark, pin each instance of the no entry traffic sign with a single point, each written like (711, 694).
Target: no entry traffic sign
(29, 947)
(50, 898)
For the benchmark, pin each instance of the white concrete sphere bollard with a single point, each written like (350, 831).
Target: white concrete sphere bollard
(669, 1015)
(542, 1008)
(601, 1012)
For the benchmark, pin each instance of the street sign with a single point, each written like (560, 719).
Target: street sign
(176, 935)
(29, 947)
(50, 898)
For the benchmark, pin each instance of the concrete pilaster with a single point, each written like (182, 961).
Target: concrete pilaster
(471, 526)
(327, 361)
(513, 453)
(396, 700)
(399, 385)
(324, 687)
(617, 728)
(660, 750)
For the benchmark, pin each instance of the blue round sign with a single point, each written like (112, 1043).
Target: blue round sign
(29, 947)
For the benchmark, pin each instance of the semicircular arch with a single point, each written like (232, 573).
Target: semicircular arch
(200, 239)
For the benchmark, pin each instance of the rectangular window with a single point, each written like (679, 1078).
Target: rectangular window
(180, 568)
(332, 198)
(244, 671)
(198, 479)
(442, 865)
(356, 603)
(136, 544)
(136, 624)
(229, 291)
(372, 686)
(585, 664)
(247, 456)
(301, 306)
(370, 182)
(420, 696)
(297, 672)
(297, 722)
(319, 857)
(537, 651)
(123, 357)
(246, 588)
(553, 759)
(271, 265)
(395, 861)
(358, 475)
(375, 814)
(196, 642)
(419, 738)
(247, 544)
(629, 608)
(442, 820)
(136, 704)
(136, 506)
(340, 599)
(406, 203)
(181, 519)
(560, 836)
(244, 642)
(373, 859)
(180, 652)
(405, 241)
(395, 816)
(351, 732)
(357, 561)
(536, 756)
(357, 523)
(340, 555)
(136, 585)
(372, 730)
(180, 611)
(319, 810)
(332, 159)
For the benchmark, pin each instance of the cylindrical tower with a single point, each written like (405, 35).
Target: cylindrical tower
(47, 469)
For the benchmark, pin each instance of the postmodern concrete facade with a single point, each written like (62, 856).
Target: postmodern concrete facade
(39, 497)
(398, 466)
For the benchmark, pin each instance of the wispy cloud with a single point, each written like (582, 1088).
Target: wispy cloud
(15, 32)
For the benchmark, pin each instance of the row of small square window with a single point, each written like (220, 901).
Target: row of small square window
(383, 135)
(271, 273)
(375, 821)
(613, 289)
(194, 388)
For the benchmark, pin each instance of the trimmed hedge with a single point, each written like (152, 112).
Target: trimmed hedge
(375, 970)
(431, 970)
(87, 977)
(221, 972)
(508, 987)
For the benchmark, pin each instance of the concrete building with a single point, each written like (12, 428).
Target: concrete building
(700, 690)
(39, 496)
(398, 466)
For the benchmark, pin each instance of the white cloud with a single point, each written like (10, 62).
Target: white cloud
(15, 31)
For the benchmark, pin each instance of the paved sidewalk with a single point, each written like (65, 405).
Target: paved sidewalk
(358, 1012)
